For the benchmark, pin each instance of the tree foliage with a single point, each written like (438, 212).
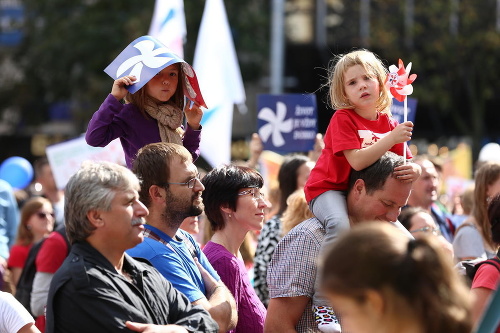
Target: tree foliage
(67, 45)
(457, 67)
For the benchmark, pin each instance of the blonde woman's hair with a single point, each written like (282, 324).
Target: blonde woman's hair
(296, 212)
(485, 176)
(373, 66)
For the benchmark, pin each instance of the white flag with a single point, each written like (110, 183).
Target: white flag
(169, 25)
(220, 81)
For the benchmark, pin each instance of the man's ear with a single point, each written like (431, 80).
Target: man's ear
(94, 217)
(156, 194)
(359, 187)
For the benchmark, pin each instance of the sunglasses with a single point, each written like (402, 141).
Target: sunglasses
(44, 215)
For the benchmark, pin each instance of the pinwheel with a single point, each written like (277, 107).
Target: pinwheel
(398, 82)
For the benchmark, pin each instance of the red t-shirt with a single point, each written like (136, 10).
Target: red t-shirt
(487, 276)
(18, 255)
(347, 130)
(52, 253)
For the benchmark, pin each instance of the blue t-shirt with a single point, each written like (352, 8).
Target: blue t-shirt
(175, 262)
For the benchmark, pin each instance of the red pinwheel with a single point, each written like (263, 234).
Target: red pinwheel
(399, 81)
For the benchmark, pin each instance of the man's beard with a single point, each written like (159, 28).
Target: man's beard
(176, 210)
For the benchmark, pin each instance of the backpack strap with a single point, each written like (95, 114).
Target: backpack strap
(493, 261)
(25, 282)
(464, 224)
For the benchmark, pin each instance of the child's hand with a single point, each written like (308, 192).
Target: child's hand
(118, 90)
(407, 173)
(193, 115)
(402, 132)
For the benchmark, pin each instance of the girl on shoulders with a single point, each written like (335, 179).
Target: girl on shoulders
(359, 133)
(153, 88)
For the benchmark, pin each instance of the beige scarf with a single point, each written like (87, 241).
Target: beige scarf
(169, 118)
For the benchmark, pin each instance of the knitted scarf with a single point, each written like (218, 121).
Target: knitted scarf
(169, 118)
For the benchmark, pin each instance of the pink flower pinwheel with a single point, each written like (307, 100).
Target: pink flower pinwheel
(399, 81)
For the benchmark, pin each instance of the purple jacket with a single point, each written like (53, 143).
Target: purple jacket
(125, 121)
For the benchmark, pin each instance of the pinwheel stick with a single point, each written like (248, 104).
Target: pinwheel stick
(405, 117)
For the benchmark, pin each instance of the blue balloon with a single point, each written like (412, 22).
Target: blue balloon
(17, 171)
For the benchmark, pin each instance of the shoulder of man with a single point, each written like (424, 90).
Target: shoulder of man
(311, 225)
(73, 268)
(310, 230)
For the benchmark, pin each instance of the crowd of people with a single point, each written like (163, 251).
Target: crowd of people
(352, 237)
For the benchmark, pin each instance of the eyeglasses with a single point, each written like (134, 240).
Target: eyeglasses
(190, 183)
(432, 230)
(255, 192)
(44, 215)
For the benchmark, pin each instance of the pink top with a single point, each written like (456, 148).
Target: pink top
(232, 271)
(487, 276)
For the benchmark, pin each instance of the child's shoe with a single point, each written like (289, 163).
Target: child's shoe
(326, 319)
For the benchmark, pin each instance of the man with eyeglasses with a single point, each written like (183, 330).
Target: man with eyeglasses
(171, 190)
(99, 288)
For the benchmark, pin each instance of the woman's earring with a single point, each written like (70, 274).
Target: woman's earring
(229, 215)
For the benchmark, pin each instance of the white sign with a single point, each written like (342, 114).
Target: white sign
(66, 158)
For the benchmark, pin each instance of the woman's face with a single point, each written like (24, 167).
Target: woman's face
(42, 221)
(191, 225)
(303, 173)
(493, 188)
(422, 224)
(250, 208)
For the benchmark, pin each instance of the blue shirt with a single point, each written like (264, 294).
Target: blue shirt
(9, 218)
(175, 262)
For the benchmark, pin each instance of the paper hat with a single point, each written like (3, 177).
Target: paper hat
(145, 57)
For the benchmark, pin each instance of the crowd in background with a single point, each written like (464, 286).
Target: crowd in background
(471, 234)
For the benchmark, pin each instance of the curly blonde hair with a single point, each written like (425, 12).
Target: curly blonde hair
(296, 212)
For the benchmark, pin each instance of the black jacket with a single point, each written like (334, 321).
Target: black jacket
(87, 295)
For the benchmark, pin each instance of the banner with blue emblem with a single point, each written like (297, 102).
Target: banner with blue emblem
(287, 123)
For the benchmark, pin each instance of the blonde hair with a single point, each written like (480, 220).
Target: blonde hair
(486, 175)
(413, 276)
(373, 66)
(296, 212)
(467, 199)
